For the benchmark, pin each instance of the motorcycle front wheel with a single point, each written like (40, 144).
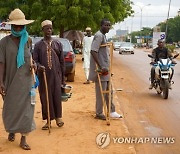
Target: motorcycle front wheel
(165, 89)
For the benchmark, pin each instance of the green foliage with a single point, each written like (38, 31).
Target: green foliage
(170, 47)
(68, 14)
(173, 29)
(145, 32)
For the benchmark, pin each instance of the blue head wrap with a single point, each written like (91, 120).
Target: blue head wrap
(23, 40)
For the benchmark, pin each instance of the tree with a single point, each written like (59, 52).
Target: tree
(146, 31)
(173, 29)
(68, 14)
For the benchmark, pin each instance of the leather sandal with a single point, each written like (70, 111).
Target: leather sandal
(100, 117)
(45, 127)
(11, 137)
(59, 122)
(87, 82)
(25, 146)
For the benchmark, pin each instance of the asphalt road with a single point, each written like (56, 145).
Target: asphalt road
(145, 112)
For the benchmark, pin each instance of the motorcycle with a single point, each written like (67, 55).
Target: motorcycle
(163, 73)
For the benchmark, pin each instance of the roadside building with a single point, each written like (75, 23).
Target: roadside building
(4, 30)
(121, 34)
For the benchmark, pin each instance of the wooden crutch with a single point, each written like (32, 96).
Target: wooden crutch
(47, 100)
(102, 94)
(109, 84)
(110, 78)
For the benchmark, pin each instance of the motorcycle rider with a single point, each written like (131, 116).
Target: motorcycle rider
(157, 53)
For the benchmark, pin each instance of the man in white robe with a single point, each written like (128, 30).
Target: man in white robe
(87, 41)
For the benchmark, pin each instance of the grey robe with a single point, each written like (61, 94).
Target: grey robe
(17, 109)
(103, 56)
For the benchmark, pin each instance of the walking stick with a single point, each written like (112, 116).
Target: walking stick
(32, 70)
(107, 113)
(47, 100)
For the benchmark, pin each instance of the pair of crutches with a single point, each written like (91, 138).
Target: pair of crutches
(107, 109)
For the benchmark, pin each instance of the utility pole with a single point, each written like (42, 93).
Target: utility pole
(167, 20)
(141, 8)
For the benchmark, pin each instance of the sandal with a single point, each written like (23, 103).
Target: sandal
(59, 122)
(25, 146)
(87, 82)
(46, 127)
(11, 137)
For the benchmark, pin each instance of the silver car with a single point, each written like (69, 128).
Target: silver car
(117, 45)
(126, 47)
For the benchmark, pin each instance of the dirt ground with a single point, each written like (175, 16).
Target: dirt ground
(78, 135)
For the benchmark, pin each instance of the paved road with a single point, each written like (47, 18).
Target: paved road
(146, 113)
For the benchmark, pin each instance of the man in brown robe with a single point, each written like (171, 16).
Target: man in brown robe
(48, 55)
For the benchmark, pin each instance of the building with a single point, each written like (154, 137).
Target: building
(121, 34)
(4, 30)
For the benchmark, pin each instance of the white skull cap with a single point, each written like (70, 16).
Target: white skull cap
(46, 22)
(88, 29)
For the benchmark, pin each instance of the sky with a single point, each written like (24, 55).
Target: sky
(153, 14)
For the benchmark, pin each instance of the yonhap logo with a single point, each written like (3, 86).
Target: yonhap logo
(103, 140)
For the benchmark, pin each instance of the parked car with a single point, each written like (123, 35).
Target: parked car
(69, 56)
(34, 41)
(126, 47)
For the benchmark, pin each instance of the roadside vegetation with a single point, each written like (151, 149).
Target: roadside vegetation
(68, 14)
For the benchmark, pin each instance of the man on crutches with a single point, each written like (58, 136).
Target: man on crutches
(100, 74)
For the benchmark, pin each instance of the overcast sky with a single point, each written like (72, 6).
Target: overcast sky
(151, 15)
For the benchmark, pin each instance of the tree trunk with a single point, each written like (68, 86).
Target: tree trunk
(61, 32)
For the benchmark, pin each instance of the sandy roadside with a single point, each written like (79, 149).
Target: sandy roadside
(78, 135)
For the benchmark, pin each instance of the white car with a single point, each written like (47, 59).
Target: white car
(117, 45)
(126, 47)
